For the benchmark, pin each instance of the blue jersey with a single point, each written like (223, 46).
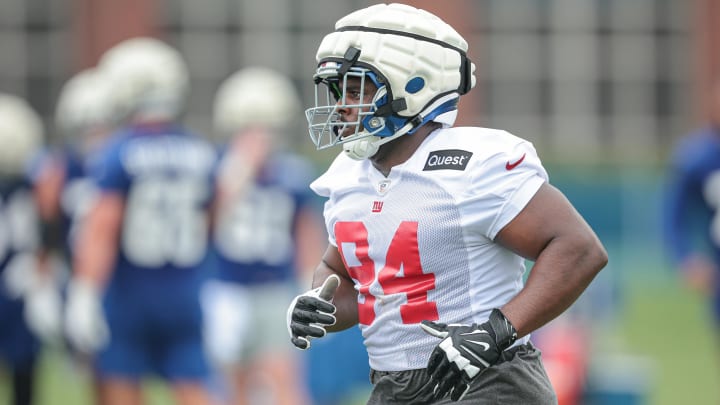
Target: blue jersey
(76, 194)
(693, 196)
(19, 223)
(254, 236)
(152, 300)
(166, 177)
(19, 238)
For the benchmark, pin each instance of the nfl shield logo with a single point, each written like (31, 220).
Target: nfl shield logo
(383, 186)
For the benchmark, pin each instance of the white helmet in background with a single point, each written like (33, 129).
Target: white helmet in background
(85, 105)
(150, 78)
(417, 61)
(255, 97)
(21, 134)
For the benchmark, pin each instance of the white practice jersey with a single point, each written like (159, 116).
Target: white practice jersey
(419, 243)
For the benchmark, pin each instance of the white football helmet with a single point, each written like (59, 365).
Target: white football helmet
(21, 134)
(417, 62)
(85, 104)
(255, 96)
(150, 78)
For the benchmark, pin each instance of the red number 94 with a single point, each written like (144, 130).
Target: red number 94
(402, 254)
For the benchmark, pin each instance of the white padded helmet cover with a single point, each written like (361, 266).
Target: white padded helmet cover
(148, 75)
(21, 134)
(400, 58)
(255, 96)
(85, 102)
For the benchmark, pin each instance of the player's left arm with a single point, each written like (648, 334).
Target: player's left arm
(566, 252)
(567, 257)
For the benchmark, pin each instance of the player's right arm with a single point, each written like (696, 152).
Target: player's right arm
(97, 243)
(96, 252)
(330, 306)
(345, 298)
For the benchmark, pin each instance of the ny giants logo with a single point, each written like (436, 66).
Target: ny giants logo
(449, 159)
(377, 206)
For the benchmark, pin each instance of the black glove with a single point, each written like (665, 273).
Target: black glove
(310, 312)
(466, 350)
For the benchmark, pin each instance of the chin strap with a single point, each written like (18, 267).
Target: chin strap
(368, 146)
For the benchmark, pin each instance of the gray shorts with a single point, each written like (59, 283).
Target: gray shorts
(519, 378)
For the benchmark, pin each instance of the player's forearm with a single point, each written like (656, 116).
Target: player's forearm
(345, 298)
(561, 273)
(97, 242)
(93, 262)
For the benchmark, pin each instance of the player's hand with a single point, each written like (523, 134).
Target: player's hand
(464, 352)
(43, 311)
(24, 279)
(85, 324)
(20, 276)
(309, 313)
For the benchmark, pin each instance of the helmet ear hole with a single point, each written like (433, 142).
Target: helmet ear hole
(414, 85)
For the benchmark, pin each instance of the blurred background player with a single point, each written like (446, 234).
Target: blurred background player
(267, 232)
(134, 297)
(84, 117)
(21, 137)
(692, 205)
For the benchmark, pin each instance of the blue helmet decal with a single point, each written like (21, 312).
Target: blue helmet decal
(414, 85)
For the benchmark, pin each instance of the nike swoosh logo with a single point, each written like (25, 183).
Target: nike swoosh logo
(485, 346)
(510, 166)
(475, 332)
(477, 358)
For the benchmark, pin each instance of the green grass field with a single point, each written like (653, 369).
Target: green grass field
(672, 327)
(662, 323)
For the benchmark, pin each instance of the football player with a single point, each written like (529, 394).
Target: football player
(140, 251)
(84, 117)
(430, 225)
(267, 232)
(691, 208)
(23, 287)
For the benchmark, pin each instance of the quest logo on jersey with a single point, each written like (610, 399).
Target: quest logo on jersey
(449, 159)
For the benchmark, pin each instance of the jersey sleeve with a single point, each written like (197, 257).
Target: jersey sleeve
(322, 191)
(107, 170)
(334, 179)
(501, 186)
